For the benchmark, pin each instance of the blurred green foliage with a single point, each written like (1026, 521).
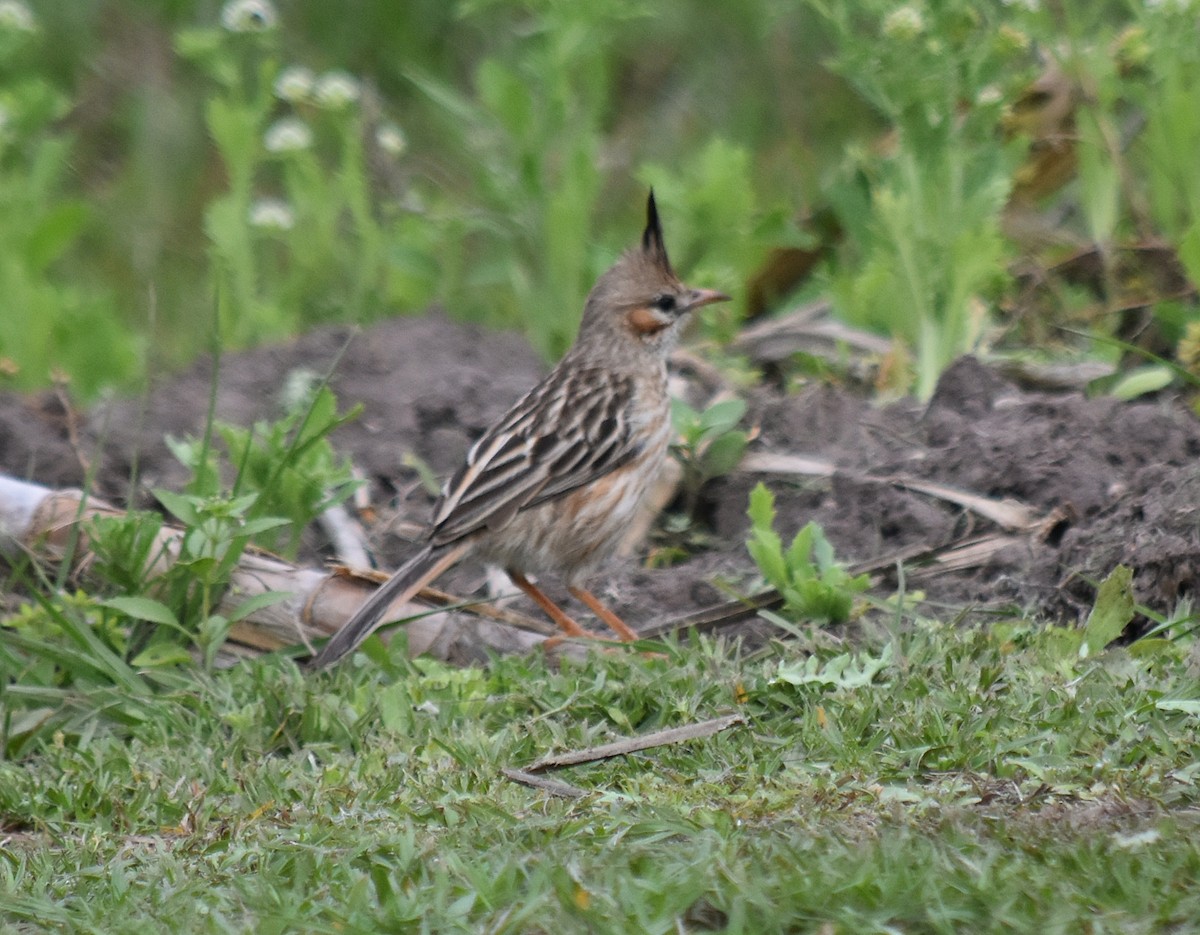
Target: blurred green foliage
(298, 163)
(302, 165)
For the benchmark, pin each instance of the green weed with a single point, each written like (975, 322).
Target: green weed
(710, 444)
(813, 585)
(925, 255)
(155, 600)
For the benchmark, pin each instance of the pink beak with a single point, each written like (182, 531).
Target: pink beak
(699, 297)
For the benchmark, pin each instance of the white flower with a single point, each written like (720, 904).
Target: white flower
(16, 16)
(248, 16)
(288, 135)
(904, 22)
(989, 94)
(299, 387)
(272, 214)
(336, 89)
(391, 139)
(294, 83)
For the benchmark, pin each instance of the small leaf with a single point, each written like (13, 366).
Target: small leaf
(767, 551)
(258, 602)
(161, 655)
(182, 507)
(1186, 705)
(724, 454)
(762, 507)
(723, 416)
(686, 421)
(142, 608)
(238, 506)
(822, 549)
(1111, 612)
(254, 527)
(799, 554)
(1142, 380)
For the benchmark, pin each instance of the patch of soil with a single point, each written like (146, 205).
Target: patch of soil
(1123, 477)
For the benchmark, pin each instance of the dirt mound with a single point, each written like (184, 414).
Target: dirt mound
(1119, 481)
(1121, 477)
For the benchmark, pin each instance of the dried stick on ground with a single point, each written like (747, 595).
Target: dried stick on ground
(628, 745)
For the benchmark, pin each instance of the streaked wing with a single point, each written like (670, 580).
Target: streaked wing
(568, 430)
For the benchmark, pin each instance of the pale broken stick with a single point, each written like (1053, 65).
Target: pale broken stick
(564, 790)
(809, 328)
(1008, 513)
(634, 744)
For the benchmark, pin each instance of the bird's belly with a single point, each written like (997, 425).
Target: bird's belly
(574, 534)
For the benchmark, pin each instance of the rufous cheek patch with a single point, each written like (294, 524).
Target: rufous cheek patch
(645, 321)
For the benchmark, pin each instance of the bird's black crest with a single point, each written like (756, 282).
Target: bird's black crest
(652, 238)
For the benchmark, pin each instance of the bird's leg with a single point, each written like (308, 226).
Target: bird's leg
(551, 609)
(611, 620)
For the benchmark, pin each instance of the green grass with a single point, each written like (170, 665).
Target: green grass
(982, 781)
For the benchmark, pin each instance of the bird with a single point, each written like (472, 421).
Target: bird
(551, 488)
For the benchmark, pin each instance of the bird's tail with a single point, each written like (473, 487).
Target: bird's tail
(400, 588)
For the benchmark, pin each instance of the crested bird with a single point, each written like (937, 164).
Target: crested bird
(552, 487)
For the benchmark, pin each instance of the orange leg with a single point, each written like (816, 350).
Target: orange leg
(551, 609)
(611, 620)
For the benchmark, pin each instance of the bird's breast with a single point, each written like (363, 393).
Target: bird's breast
(575, 533)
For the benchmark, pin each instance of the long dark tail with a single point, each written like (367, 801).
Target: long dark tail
(409, 578)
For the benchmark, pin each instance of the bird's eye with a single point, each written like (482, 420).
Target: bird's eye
(665, 302)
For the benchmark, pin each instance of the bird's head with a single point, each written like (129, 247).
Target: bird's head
(641, 297)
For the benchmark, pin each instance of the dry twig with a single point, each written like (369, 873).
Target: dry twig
(634, 744)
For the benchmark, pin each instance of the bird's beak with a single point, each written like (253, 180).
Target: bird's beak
(699, 297)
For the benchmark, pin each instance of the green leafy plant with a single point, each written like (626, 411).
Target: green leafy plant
(709, 445)
(924, 247)
(72, 657)
(286, 474)
(814, 586)
(290, 464)
(174, 604)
